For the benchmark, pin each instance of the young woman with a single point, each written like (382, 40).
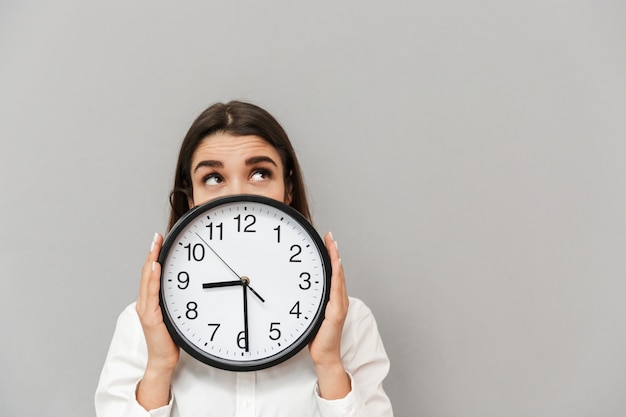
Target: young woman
(239, 148)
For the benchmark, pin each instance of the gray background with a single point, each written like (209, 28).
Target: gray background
(468, 156)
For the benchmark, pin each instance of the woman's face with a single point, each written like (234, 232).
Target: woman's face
(224, 165)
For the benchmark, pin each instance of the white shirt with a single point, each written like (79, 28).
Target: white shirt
(288, 389)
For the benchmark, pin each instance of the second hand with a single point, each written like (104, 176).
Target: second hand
(245, 281)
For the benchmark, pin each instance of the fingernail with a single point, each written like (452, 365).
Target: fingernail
(336, 245)
(154, 238)
(153, 265)
(330, 234)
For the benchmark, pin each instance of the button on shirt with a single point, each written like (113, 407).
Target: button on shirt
(287, 389)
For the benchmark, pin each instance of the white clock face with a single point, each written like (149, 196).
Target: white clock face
(244, 282)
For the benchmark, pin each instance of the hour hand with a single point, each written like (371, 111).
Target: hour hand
(222, 284)
(243, 281)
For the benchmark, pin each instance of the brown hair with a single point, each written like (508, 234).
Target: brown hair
(238, 119)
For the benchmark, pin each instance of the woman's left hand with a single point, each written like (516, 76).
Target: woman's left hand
(325, 350)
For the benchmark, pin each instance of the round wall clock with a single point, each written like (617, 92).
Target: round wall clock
(244, 282)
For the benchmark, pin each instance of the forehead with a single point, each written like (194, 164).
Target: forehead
(228, 148)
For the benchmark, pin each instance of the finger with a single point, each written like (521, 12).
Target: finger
(154, 273)
(155, 248)
(154, 284)
(147, 271)
(335, 260)
(338, 291)
(332, 248)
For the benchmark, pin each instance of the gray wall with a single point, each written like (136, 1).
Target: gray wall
(468, 156)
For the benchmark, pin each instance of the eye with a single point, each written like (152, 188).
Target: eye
(213, 179)
(260, 175)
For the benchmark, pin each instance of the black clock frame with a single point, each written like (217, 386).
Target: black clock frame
(283, 355)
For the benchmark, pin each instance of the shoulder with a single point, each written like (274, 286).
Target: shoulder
(359, 321)
(358, 310)
(360, 341)
(128, 326)
(129, 314)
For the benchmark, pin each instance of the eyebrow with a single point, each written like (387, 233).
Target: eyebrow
(256, 159)
(211, 163)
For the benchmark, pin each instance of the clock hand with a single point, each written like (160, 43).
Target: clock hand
(245, 314)
(219, 257)
(255, 293)
(233, 283)
(221, 284)
(244, 281)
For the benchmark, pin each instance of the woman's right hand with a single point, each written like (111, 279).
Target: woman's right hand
(154, 389)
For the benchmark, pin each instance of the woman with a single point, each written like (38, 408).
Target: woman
(239, 148)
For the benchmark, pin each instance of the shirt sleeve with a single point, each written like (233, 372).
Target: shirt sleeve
(367, 364)
(123, 369)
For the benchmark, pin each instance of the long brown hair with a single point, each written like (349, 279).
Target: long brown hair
(238, 119)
